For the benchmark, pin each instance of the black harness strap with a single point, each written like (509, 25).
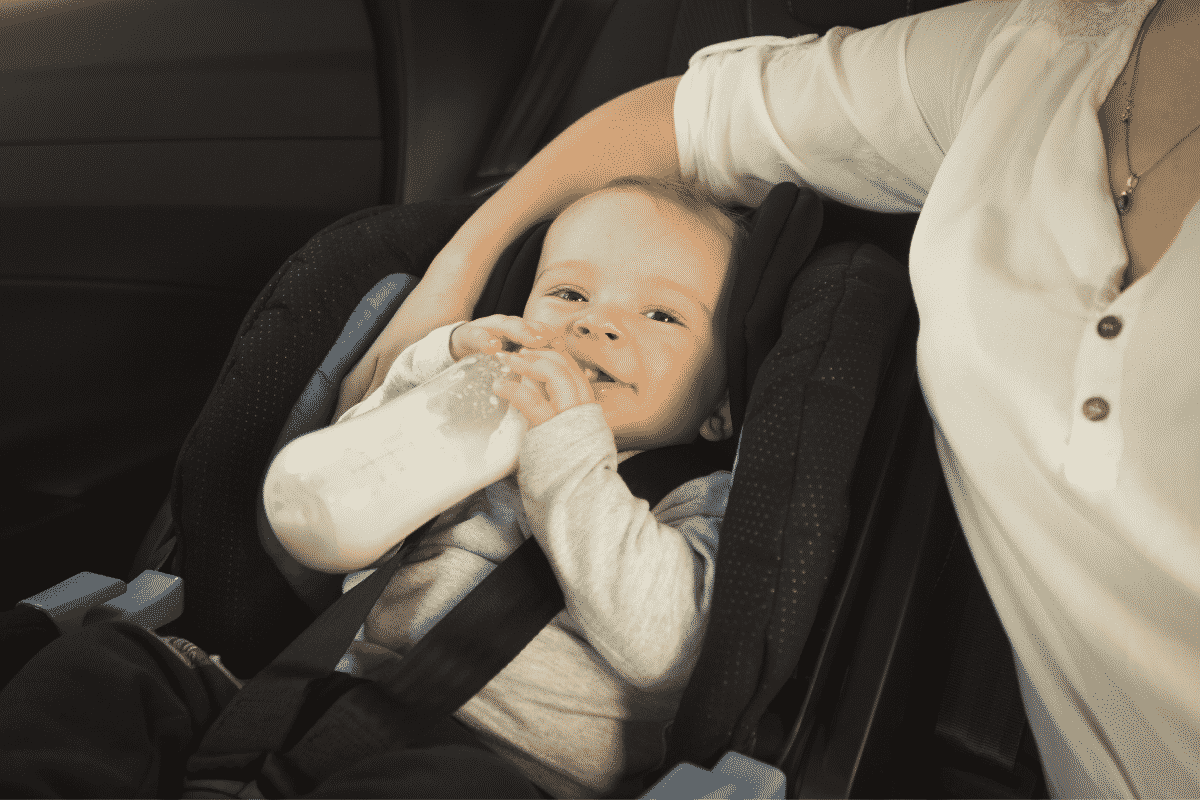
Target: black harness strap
(294, 724)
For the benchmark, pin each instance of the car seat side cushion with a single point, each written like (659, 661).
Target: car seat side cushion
(313, 411)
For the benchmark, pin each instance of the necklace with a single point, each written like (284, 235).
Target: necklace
(1125, 199)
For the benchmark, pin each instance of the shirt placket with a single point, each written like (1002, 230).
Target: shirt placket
(1095, 444)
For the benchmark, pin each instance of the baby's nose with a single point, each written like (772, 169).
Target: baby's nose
(587, 327)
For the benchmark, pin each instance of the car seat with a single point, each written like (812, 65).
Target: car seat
(804, 425)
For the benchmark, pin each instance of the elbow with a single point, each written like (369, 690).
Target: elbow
(659, 677)
(667, 669)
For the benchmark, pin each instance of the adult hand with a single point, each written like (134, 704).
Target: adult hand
(495, 333)
(551, 382)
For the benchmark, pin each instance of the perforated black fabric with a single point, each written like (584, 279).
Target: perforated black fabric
(788, 509)
(237, 602)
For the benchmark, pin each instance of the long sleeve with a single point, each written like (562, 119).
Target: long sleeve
(861, 117)
(639, 584)
(419, 362)
(584, 704)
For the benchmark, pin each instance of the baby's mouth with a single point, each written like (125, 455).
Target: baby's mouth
(592, 372)
(597, 375)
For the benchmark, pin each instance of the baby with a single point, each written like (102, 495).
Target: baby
(636, 288)
(633, 286)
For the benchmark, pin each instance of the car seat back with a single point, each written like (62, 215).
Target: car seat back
(787, 515)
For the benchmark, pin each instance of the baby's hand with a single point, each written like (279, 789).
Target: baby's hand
(551, 382)
(495, 333)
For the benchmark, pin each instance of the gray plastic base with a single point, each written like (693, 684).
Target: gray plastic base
(152, 600)
(66, 603)
(735, 777)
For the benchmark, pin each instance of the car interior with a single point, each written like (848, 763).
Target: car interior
(161, 160)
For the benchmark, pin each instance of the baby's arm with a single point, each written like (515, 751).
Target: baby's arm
(639, 589)
(419, 362)
(444, 346)
(295, 538)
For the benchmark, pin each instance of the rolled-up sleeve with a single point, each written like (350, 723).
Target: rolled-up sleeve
(836, 113)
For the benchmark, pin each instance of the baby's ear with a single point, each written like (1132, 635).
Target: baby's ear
(719, 426)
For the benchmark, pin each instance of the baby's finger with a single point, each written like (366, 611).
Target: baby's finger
(468, 339)
(516, 332)
(527, 398)
(565, 385)
(481, 340)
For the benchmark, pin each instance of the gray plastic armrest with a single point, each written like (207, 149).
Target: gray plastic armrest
(66, 603)
(735, 777)
(152, 600)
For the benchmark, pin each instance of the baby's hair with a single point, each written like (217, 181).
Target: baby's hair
(692, 196)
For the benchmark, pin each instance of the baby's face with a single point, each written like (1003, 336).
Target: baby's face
(637, 288)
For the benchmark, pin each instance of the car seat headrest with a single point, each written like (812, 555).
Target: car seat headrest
(783, 231)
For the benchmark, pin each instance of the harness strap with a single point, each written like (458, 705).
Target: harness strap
(259, 718)
(476, 639)
(297, 722)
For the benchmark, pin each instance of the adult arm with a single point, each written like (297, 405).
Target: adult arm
(633, 134)
(862, 117)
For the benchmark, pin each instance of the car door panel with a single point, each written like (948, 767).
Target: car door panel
(158, 162)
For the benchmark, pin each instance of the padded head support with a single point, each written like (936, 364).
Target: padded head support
(782, 233)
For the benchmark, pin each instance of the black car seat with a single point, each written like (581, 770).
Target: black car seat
(641, 40)
(805, 422)
(804, 425)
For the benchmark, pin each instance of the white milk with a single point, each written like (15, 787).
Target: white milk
(340, 497)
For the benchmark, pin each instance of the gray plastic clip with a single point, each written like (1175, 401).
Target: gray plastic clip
(735, 777)
(66, 603)
(152, 600)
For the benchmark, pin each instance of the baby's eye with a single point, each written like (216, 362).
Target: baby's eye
(669, 318)
(560, 292)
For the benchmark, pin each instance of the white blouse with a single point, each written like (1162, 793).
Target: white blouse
(1085, 527)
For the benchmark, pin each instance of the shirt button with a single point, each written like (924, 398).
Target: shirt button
(1095, 408)
(1109, 327)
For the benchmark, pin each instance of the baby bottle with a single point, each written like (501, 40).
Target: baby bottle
(340, 497)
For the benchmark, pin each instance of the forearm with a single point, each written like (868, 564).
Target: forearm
(633, 134)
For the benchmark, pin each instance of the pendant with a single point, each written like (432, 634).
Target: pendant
(1125, 199)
